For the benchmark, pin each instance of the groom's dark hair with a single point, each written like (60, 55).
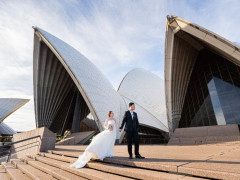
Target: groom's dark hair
(130, 104)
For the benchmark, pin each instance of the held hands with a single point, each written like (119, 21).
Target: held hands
(120, 130)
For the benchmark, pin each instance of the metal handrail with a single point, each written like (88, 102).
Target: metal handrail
(12, 143)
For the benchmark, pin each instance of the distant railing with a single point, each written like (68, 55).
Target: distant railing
(6, 150)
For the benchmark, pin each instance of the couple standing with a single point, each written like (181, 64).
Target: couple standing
(102, 144)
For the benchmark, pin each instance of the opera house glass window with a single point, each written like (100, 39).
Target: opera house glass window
(213, 95)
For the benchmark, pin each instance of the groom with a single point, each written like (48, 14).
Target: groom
(131, 128)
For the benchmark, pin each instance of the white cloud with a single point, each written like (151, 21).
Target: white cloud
(117, 36)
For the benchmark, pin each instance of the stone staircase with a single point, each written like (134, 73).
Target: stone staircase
(205, 135)
(217, 157)
(55, 165)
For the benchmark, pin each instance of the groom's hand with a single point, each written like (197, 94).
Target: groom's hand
(120, 130)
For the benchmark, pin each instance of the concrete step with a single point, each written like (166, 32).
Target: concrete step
(84, 172)
(14, 173)
(69, 156)
(65, 153)
(58, 157)
(55, 172)
(31, 171)
(132, 172)
(3, 174)
(138, 163)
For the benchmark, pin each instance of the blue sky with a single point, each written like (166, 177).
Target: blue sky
(117, 36)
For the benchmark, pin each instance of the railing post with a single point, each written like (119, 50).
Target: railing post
(9, 153)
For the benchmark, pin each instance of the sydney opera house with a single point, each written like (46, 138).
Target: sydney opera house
(202, 76)
(71, 93)
(201, 86)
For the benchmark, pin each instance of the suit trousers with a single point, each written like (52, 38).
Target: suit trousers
(133, 135)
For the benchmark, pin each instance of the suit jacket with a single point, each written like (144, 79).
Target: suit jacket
(131, 124)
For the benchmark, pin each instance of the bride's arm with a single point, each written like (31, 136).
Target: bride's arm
(105, 124)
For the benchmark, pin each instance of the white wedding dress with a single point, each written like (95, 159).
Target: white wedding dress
(100, 147)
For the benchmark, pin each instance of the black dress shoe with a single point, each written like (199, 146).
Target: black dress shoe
(130, 157)
(139, 156)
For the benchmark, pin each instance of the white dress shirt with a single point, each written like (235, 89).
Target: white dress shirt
(131, 114)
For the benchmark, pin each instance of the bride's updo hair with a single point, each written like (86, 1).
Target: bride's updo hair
(109, 113)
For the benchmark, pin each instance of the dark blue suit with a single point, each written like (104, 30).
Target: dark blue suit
(131, 129)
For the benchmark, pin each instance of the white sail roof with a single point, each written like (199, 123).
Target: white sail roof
(95, 88)
(10, 105)
(146, 90)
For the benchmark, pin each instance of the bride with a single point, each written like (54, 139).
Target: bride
(102, 144)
